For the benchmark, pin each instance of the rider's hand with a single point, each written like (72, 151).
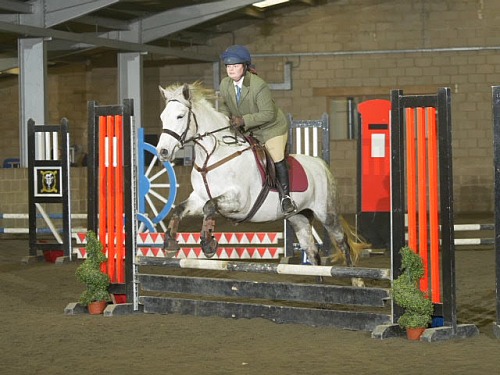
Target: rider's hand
(237, 122)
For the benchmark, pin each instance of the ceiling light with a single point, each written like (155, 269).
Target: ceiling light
(268, 3)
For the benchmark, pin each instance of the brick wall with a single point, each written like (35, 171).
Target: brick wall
(331, 50)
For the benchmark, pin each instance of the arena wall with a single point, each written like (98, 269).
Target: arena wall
(421, 46)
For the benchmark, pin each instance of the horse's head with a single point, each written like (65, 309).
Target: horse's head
(177, 120)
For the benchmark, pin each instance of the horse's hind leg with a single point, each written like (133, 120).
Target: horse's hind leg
(338, 235)
(339, 238)
(303, 230)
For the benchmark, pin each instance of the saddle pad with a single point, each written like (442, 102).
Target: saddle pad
(297, 174)
(298, 177)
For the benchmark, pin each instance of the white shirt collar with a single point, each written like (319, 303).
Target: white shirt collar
(239, 83)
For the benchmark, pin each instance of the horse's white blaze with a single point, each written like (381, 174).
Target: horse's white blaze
(174, 117)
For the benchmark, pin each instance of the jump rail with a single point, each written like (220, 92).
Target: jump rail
(313, 304)
(25, 230)
(495, 98)
(273, 268)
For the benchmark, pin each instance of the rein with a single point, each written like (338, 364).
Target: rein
(205, 168)
(201, 136)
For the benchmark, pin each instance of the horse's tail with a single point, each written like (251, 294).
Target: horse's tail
(355, 242)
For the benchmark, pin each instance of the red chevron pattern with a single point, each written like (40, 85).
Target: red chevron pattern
(151, 244)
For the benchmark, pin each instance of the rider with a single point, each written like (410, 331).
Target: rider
(256, 111)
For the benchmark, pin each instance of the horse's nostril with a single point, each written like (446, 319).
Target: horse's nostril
(164, 153)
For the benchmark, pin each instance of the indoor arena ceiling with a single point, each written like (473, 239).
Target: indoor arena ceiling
(92, 31)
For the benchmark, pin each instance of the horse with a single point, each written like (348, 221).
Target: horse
(226, 179)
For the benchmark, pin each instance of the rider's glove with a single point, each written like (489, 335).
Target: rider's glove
(237, 122)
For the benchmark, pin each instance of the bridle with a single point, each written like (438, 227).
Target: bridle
(182, 138)
(205, 168)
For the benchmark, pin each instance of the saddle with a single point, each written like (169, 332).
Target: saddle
(265, 164)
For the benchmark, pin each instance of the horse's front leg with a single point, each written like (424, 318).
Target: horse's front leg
(170, 242)
(190, 206)
(224, 204)
(208, 242)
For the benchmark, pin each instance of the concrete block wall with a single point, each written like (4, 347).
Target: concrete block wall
(15, 199)
(318, 40)
(343, 164)
(338, 49)
(14, 193)
(9, 108)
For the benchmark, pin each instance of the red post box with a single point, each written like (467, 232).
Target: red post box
(374, 174)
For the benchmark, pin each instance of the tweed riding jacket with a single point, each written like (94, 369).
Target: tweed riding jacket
(262, 116)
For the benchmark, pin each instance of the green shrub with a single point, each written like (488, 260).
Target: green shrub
(90, 274)
(407, 294)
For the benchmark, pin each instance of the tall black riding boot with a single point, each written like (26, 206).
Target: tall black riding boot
(288, 206)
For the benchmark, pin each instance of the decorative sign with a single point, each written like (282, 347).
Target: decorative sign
(48, 181)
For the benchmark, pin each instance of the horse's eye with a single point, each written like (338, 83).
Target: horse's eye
(179, 117)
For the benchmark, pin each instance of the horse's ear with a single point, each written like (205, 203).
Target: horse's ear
(163, 92)
(186, 92)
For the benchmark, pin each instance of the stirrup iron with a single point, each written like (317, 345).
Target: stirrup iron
(293, 207)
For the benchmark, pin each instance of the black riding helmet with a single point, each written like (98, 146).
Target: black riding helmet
(236, 54)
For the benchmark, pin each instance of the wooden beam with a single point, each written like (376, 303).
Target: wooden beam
(87, 38)
(16, 6)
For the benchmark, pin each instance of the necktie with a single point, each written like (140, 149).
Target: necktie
(238, 94)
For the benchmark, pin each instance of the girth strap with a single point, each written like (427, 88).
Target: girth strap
(258, 202)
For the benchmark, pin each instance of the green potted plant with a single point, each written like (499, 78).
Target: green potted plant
(407, 294)
(96, 295)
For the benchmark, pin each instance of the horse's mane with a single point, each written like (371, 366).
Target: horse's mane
(199, 92)
(201, 99)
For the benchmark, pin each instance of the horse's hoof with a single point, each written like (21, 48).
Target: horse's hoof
(209, 247)
(170, 253)
(171, 244)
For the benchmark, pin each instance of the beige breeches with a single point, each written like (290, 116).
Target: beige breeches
(276, 147)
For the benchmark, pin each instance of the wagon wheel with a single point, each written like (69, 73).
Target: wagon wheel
(157, 189)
